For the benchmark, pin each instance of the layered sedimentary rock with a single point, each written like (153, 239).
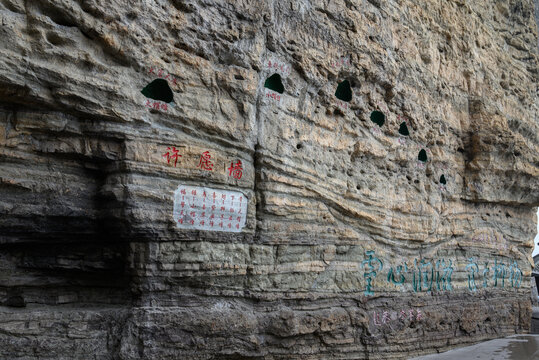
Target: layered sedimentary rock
(385, 153)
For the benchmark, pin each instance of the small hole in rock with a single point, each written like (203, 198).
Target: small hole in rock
(158, 90)
(422, 156)
(344, 91)
(299, 146)
(442, 180)
(403, 129)
(378, 118)
(274, 83)
(55, 39)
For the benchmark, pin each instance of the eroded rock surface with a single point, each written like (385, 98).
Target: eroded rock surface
(353, 246)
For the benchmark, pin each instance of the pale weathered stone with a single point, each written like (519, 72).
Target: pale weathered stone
(352, 247)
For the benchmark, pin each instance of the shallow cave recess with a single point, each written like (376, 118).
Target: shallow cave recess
(422, 156)
(275, 83)
(158, 90)
(378, 118)
(443, 181)
(403, 129)
(344, 91)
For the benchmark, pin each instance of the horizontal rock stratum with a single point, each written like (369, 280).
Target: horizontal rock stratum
(265, 179)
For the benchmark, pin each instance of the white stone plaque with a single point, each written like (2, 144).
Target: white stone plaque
(203, 208)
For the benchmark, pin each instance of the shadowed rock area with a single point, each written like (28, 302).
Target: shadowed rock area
(160, 198)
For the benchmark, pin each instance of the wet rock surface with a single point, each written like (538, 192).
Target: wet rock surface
(352, 247)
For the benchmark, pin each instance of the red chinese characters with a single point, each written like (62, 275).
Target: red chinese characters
(376, 319)
(209, 209)
(163, 75)
(343, 105)
(205, 161)
(385, 317)
(284, 69)
(235, 170)
(172, 154)
(272, 95)
(342, 62)
(156, 105)
(402, 315)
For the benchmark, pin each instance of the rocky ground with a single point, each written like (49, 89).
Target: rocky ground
(516, 347)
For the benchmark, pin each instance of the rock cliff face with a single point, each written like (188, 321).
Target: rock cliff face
(265, 179)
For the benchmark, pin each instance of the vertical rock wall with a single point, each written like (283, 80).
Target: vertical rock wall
(387, 151)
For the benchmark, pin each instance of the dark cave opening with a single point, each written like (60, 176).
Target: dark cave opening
(378, 118)
(344, 91)
(422, 156)
(403, 129)
(442, 180)
(158, 90)
(274, 83)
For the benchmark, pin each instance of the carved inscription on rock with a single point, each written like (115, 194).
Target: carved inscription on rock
(202, 208)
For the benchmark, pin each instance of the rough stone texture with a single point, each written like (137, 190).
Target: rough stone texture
(93, 263)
